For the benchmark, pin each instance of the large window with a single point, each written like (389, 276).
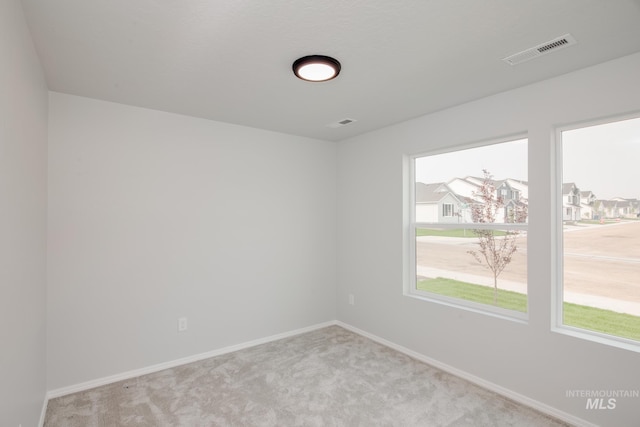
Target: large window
(599, 231)
(467, 231)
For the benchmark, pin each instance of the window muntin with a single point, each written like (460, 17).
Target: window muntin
(447, 263)
(599, 231)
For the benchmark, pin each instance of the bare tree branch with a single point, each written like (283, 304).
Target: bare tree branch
(495, 252)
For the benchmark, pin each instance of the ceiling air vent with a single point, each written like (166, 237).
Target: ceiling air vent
(542, 49)
(340, 123)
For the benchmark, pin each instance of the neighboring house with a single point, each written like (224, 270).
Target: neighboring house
(626, 208)
(570, 202)
(618, 208)
(634, 208)
(607, 208)
(587, 205)
(465, 187)
(438, 203)
(510, 189)
(451, 202)
(521, 186)
(511, 193)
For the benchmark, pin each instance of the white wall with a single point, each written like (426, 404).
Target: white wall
(154, 216)
(23, 154)
(525, 358)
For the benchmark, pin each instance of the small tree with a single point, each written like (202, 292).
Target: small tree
(495, 252)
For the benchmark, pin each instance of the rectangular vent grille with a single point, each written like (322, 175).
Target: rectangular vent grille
(341, 123)
(542, 49)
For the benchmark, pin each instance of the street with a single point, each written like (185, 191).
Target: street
(601, 264)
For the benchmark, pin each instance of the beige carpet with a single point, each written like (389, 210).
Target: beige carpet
(328, 377)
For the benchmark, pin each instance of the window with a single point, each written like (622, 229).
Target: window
(447, 209)
(473, 254)
(599, 234)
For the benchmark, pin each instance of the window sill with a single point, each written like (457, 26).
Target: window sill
(604, 339)
(488, 310)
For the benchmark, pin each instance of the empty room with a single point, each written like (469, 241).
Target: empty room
(319, 213)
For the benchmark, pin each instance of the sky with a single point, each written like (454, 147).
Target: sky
(458, 164)
(604, 159)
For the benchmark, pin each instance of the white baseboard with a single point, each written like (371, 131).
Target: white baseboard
(178, 362)
(510, 394)
(43, 413)
(549, 410)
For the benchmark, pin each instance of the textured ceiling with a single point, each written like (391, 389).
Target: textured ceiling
(230, 60)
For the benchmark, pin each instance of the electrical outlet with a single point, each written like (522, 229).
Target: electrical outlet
(182, 324)
(352, 300)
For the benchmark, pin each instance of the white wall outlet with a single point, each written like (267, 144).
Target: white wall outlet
(352, 300)
(182, 324)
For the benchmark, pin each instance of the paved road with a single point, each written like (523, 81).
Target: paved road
(601, 265)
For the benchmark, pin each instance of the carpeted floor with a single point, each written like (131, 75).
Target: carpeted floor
(328, 377)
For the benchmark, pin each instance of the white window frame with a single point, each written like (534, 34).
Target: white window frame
(557, 300)
(410, 253)
(444, 213)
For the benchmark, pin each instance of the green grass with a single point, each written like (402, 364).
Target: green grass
(594, 221)
(606, 221)
(606, 321)
(457, 232)
(594, 319)
(477, 293)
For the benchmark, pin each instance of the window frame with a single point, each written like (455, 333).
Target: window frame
(557, 236)
(409, 237)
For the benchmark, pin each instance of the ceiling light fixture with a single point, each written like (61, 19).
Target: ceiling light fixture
(316, 68)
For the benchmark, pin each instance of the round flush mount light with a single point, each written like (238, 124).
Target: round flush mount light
(316, 68)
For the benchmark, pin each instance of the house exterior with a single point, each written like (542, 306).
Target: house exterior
(438, 203)
(607, 208)
(617, 208)
(452, 202)
(511, 195)
(521, 186)
(626, 208)
(570, 202)
(587, 204)
(465, 187)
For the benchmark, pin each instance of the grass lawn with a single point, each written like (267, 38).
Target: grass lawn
(596, 222)
(594, 319)
(477, 293)
(606, 321)
(606, 221)
(457, 232)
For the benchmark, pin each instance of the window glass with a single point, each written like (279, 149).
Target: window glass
(601, 229)
(447, 209)
(470, 213)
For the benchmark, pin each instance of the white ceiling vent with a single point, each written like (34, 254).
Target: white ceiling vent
(542, 49)
(340, 123)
